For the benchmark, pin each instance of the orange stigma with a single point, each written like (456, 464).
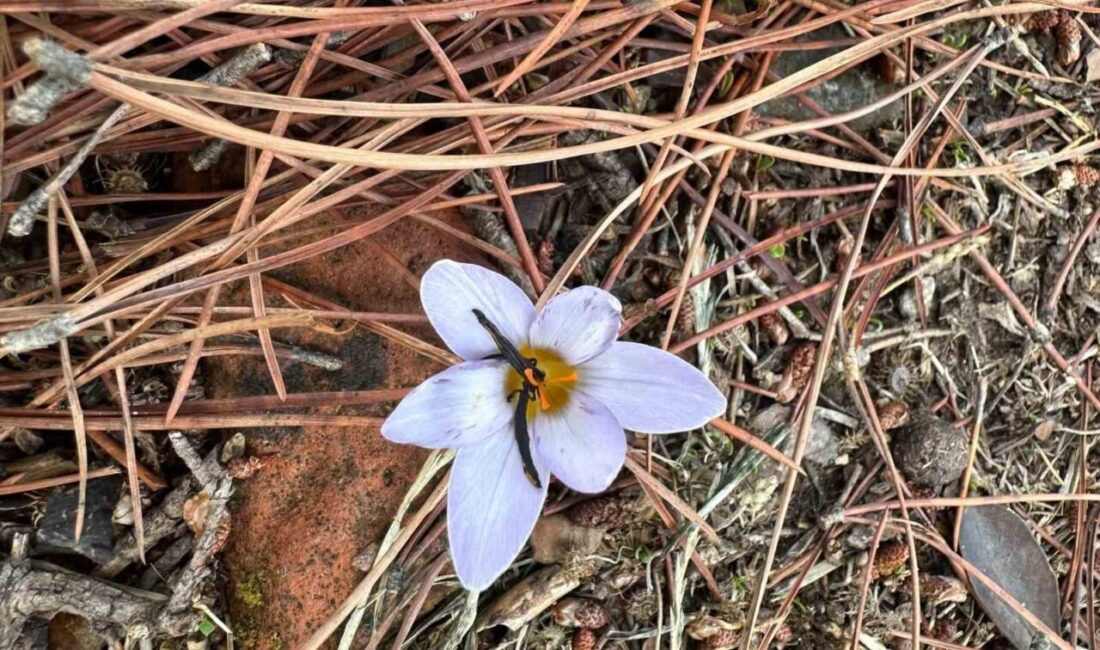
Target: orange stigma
(561, 380)
(548, 375)
(544, 401)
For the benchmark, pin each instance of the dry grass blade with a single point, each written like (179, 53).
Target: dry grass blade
(70, 382)
(739, 434)
(683, 127)
(131, 461)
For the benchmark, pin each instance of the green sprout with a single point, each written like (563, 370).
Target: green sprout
(740, 586)
(764, 163)
(206, 626)
(726, 83)
(778, 251)
(961, 151)
(955, 40)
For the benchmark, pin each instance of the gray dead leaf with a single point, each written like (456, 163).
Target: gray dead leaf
(1000, 545)
(1001, 314)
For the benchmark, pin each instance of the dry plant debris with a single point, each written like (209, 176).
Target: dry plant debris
(871, 224)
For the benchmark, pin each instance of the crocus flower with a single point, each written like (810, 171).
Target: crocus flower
(537, 394)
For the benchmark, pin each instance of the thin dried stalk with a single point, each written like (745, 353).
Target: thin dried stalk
(70, 383)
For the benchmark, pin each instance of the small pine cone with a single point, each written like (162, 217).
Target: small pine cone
(579, 612)
(641, 605)
(1068, 36)
(704, 627)
(943, 630)
(1042, 22)
(1085, 175)
(800, 366)
(685, 319)
(584, 639)
(889, 558)
(942, 589)
(242, 468)
(724, 640)
(602, 512)
(774, 327)
(892, 414)
(580, 568)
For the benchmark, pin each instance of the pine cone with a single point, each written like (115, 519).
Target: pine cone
(1068, 36)
(580, 568)
(584, 639)
(942, 589)
(685, 319)
(580, 612)
(800, 366)
(892, 414)
(774, 327)
(943, 630)
(1042, 22)
(724, 640)
(889, 559)
(704, 627)
(641, 604)
(1086, 176)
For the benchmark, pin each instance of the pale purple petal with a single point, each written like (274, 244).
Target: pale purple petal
(451, 291)
(491, 508)
(581, 443)
(459, 406)
(650, 390)
(578, 325)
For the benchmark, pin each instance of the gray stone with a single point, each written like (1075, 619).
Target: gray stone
(57, 526)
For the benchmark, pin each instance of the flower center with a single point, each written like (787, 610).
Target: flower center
(559, 378)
